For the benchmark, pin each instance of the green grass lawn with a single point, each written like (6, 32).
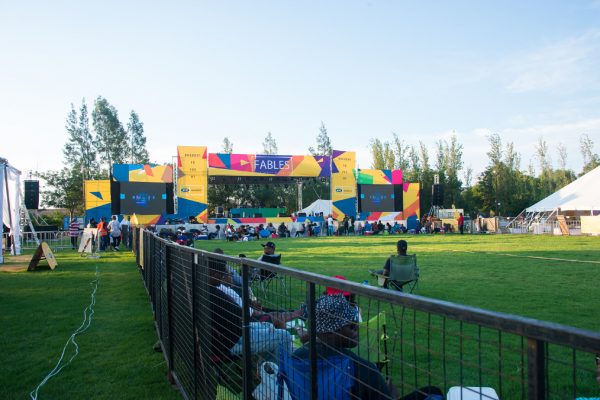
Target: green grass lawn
(475, 270)
(39, 311)
(501, 273)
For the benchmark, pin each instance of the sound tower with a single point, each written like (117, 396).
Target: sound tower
(170, 206)
(115, 197)
(437, 195)
(32, 195)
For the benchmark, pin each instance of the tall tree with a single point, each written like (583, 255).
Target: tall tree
(414, 173)
(269, 144)
(402, 153)
(64, 190)
(135, 131)
(227, 146)
(377, 157)
(324, 147)
(495, 152)
(453, 165)
(111, 139)
(382, 155)
(590, 159)
(78, 151)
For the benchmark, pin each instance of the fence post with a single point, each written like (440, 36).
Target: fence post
(246, 332)
(312, 347)
(169, 306)
(193, 338)
(536, 369)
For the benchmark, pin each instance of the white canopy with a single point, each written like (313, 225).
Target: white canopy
(10, 194)
(318, 207)
(582, 194)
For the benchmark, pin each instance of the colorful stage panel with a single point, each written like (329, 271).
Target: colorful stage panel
(379, 177)
(192, 182)
(411, 200)
(220, 164)
(97, 199)
(149, 173)
(343, 184)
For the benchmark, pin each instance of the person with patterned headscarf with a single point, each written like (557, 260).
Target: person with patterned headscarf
(337, 332)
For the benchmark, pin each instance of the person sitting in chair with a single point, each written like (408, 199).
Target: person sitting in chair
(337, 332)
(268, 256)
(269, 253)
(401, 248)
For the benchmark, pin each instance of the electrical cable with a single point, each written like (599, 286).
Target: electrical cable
(87, 320)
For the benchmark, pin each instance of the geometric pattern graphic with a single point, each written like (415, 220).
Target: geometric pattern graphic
(379, 177)
(143, 173)
(97, 199)
(411, 199)
(222, 164)
(97, 193)
(192, 181)
(343, 184)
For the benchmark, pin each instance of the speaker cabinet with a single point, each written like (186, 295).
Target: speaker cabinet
(437, 195)
(32, 195)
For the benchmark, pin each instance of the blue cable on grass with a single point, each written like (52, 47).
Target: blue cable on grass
(88, 312)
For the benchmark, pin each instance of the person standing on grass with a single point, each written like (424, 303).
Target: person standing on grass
(125, 229)
(103, 233)
(461, 223)
(74, 232)
(115, 232)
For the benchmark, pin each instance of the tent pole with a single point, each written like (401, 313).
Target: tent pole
(12, 247)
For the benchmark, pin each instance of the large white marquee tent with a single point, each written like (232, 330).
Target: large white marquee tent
(582, 194)
(579, 199)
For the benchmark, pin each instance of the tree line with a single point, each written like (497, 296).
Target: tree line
(89, 152)
(503, 188)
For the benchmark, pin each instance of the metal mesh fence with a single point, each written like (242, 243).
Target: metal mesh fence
(230, 330)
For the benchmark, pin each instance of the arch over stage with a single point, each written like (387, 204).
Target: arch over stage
(196, 169)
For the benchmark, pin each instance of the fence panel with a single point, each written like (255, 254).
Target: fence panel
(221, 319)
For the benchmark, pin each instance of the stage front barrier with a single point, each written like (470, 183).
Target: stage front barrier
(414, 341)
(57, 240)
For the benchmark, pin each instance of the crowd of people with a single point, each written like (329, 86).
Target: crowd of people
(109, 235)
(337, 318)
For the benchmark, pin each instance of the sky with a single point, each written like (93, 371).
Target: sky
(197, 72)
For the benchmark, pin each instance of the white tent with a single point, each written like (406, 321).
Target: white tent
(318, 207)
(582, 194)
(578, 198)
(10, 205)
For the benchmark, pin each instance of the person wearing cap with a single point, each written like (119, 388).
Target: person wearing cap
(337, 332)
(268, 250)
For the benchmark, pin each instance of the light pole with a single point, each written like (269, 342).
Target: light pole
(495, 184)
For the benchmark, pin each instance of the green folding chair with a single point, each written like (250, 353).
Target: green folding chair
(403, 271)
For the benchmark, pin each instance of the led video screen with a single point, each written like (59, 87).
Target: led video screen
(143, 198)
(376, 198)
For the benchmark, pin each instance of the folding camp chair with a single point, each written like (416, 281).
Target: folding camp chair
(403, 271)
(372, 342)
(263, 278)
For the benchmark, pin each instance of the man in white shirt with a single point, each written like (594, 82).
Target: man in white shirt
(114, 226)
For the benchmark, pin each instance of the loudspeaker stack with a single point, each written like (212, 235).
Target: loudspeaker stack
(437, 195)
(32, 195)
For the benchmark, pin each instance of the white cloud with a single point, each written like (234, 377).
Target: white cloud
(568, 63)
